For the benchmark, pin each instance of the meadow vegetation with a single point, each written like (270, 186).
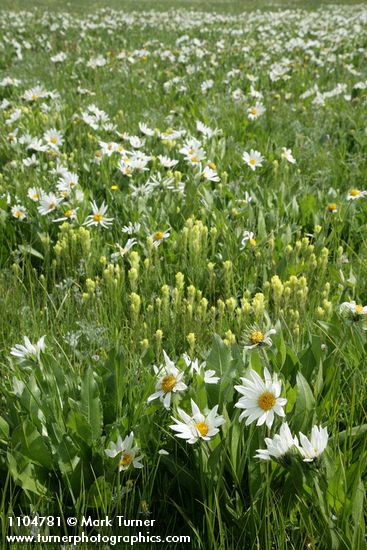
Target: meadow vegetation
(183, 251)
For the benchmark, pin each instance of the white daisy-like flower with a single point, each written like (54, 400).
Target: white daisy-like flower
(48, 203)
(99, 216)
(237, 94)
(53, 138)
(247, 238)
(255, 111)
(30, 161)
(159, 236)
(67, 183)
(279, 446)
(287, 155)
(314, 447)
(128, 452)
(261, 399)
(35, 194)
(145, 129)
(131, 228)
(167, 162)
(19, 212)
(210, 174)
(136, 142)
(206, 130)
(259, 339)
(37, 145)
(122, 250)
(69, 214)
(199, 425)
(354, 309)
(253, 159)
(28, 350)
(356, 194)
(332, 207)
(58, 58)
(169, 381)
(194, 366)
(34, 93)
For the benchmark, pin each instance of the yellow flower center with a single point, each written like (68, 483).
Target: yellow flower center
(194, 159)
(354, 192)
(98, 154)
(257, 337)
(53, 140)
(35, 197)
(51, 206)
(332, 207)
(202, 428)
(158, 236)
(18, 214)
(98, 217)
(168, 383)
(212, 165)
(109, 146)
(126, 459)
(359, 309)
(114, 187)
(266, 401)
(253, 111)
(252, 242)
(68, 213)
(252, 162)
(34, 97)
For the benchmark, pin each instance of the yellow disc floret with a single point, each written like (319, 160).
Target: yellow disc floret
(257, 337)
(266, 401)
(202, 428)
(158, 236)
(126, 459)
(168, 383)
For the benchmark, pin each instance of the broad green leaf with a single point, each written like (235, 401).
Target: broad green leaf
(4, 428)
(305, 405)
(91, 407)
(220, 356)
(79, 425)
(68, 456)
(25, 475)
(27, 249)
(357, 514)
(28, 442)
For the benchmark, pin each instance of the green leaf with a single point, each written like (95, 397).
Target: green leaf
(28, 442)
(357, 514)
(27, 249)
(356, 432)
(220, 357)
(4, 428)
(99, 494)
(25, 475)
(67, 456)
(91, 407)
(79, 425)
(305, 405)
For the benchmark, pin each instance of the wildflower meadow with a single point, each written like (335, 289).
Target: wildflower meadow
(183, 252)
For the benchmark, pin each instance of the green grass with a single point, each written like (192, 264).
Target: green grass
(207, 290)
